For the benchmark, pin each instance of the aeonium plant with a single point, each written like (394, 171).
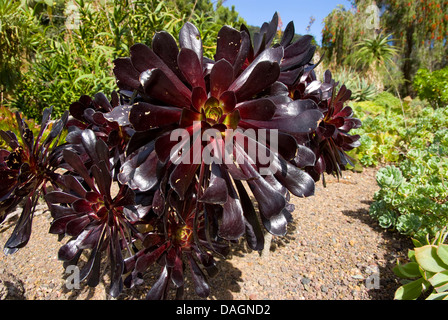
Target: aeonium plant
(170, 170)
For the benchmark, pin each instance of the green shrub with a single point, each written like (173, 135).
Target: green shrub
(386, 99)
(73, 60)
(16, 37)
(381, 132)
(432, 86)
(413, 194)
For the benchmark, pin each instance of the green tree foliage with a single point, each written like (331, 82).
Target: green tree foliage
(76, 41)
(421, 31)
(343, 28)
(432, 86)
(16, 27)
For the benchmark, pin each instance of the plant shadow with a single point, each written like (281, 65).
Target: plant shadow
(222, 285)
(383, 282)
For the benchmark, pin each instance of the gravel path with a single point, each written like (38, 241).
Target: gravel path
(333, 251)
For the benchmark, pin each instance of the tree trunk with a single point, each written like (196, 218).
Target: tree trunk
(407, 61)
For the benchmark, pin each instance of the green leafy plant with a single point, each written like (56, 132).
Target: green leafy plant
(427, 271)
(413, 195)
(432, 86)
(99, 32)
(381, 133)
(361, 88)
(16, 38)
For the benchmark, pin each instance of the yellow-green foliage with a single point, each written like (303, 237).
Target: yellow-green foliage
(77, 41)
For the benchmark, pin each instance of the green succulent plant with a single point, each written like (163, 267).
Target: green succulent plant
(427, 272)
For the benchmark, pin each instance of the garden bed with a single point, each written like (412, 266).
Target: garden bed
(333, 250)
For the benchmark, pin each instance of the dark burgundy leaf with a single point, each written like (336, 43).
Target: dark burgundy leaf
(295, 108)
(139, 170)
(60, 197)
(75, 226)
(304, 157)
(159, 288)
(82, 206)
(296, 180)
(68, 251)
(306, 122)
(198, 98)
(243, 53)
(191, 68)
(216, 192)
(288, 34)
(270, 202)
(60, 211)
(276, 225)
(94, 259)
(103, 180)
(201, 285)
(145, 116)
(158, 203)
(177, 275)
(116, 264)
(232, 225)
(165, 46)
(22, 231)
(56, 129)
(259, 109)
(227, 101)
(125, 73)
(58, 225)
(221, 77)
(119, 114)
(182, 176)
(190, 37)
(262, 76)
(228, 44)
(299, 53)
(159, 86)
(254, 232)
(148, 259)
(74, 185)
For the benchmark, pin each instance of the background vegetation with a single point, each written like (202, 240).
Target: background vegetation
(58, 50)
(394, 59)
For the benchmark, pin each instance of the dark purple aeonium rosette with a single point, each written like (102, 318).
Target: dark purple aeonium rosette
(332, 139)
(297, 55)
(215, 103)
(97, 218)
(25, 170)
(175, 244)
(91, 113)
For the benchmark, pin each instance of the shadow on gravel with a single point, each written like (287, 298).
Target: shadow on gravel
(394, 245)
(221, 286)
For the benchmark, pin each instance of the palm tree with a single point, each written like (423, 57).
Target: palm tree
(376, 55)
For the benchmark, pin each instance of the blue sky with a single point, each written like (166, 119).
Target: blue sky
(255, 12)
